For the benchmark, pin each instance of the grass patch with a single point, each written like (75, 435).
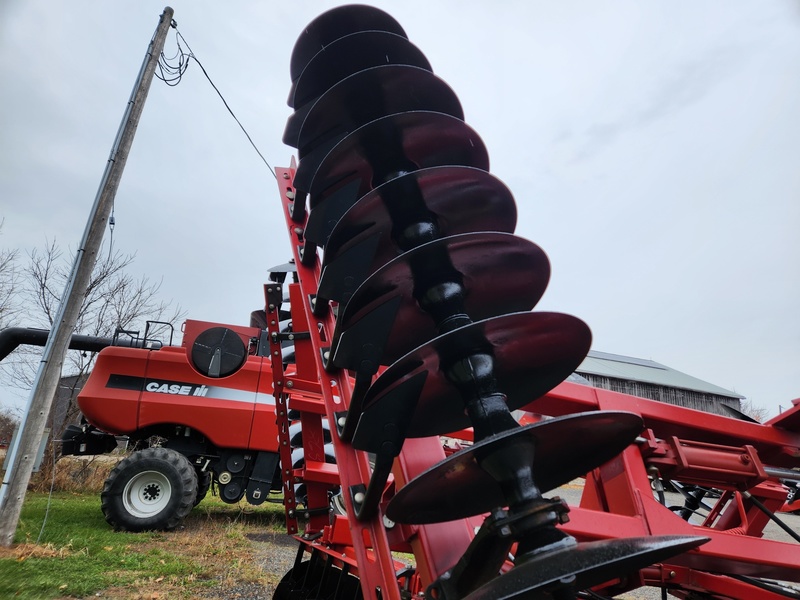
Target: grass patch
(79, 555)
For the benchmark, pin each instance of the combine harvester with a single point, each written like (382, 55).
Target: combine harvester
(411, 304)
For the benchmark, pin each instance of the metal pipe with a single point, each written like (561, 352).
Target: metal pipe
(13, 337)
(788, 474)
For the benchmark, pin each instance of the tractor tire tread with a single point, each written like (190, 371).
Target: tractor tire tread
(173, 465)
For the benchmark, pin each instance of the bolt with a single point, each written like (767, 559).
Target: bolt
(290, 384)
(341, 421)
(745, 458)
(358, 498)
(298, 230)
(326, 355)
(672, 574)
(290, 194)
(286, 175)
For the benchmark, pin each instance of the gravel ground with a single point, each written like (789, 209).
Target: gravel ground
(276, 553)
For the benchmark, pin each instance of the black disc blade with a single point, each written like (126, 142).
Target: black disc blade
(368, 95)
(351, 54)
(457, 199)
(403, 142)
(499, 273)
(566, 447)
(533, 352)
(310, 162)
(591, 563)
(336, 23)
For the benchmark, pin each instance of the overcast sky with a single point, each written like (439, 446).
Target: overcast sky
(653, 149)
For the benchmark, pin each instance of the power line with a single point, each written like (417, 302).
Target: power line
(171, 72)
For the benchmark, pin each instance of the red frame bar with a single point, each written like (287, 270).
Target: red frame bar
(436, 548)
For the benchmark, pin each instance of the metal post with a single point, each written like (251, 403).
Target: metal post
(23, 451)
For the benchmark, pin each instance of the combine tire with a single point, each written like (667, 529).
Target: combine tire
(203, 485)
(151, 489)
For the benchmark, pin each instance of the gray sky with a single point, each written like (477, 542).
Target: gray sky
(653, 149)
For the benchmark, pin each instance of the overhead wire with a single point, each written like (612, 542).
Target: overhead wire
(171, 73)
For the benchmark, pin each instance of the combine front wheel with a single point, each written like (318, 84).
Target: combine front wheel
(150, 489)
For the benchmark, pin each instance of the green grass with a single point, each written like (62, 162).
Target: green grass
(79, 554)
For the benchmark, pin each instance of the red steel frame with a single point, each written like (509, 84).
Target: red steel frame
(617, 501)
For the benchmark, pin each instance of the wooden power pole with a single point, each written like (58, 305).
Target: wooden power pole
(22, 453)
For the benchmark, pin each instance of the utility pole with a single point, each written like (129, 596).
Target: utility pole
(22, 453)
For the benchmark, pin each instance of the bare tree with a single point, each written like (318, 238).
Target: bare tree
(754, 411)
(114, 300)
(8, 421)
(9, 278)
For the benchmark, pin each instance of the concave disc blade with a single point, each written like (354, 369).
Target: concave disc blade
(416, 139)
(351, 54)
(458, 199)
(591, 563)
(500, 273)
(368, 95)
(566, 447)
(533, 352)
(336, 23)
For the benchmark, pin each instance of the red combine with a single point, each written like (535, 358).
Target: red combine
(197, 415)
(411, 309)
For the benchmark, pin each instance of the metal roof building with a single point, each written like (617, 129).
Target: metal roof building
(649, 379)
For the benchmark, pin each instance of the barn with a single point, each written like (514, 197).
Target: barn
(652, 380)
